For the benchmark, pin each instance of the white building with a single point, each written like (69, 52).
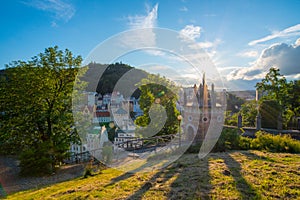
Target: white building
(125, 135)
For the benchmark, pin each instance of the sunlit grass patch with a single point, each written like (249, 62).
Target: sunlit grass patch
(228, 175)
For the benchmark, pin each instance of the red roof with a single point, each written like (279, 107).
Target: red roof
(102, 114)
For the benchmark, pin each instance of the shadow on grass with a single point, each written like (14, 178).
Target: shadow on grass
(186, 178)
(253, 156)
(246, 189)
(160, 177)
(189, 178)
(193, 179)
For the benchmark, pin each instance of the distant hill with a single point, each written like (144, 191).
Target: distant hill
(110, 75)
(245, 95)
(102, 78)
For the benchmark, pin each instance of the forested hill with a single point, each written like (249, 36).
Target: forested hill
(2, 71)
(102, 78)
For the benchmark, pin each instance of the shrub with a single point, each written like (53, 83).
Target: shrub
(229, 139)
(275, 143)
(36, 161)
(244, 143)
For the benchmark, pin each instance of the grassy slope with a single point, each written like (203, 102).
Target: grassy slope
(230, 175)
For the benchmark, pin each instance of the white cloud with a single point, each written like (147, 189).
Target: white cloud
(297, 43)
(184, 9)
(226, 70)
(206, 44)
(248, 54)
(143, 36)
(144, 21)
(60, 8)
(283, 56)
(291, 31)
(294, 77)
(190, 31)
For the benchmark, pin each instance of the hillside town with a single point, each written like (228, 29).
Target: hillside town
(109, 110)
(198, 106)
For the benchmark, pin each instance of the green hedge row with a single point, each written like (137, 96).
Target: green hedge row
(230, 139)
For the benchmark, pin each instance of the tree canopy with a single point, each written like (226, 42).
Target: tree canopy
(275, 88)
(156, 90)
(36, 108)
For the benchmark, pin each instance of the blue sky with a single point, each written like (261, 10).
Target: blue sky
(242, 38)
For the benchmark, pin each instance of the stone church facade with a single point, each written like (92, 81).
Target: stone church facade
(201, 108)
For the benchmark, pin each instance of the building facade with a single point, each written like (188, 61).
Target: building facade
(200, 109)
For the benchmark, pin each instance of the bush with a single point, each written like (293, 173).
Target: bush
(36, 161)
(229, 139)
(275, 143)
(245, 143)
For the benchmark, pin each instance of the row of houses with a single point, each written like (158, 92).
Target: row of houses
(198, 106)
(103, 108)
(106, 109)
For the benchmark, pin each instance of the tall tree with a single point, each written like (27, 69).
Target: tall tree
(233, 102)
(156, 90)
(36, 106)
(249, 113)
(294, 97)
(274, 86)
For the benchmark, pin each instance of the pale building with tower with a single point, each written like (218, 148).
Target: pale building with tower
(200, 106)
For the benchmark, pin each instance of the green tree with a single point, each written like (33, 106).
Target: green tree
(249, 113)
(270, 111)
(36, 106)
(274, 87)
(233, 103)
(156, 90)
(293, 97)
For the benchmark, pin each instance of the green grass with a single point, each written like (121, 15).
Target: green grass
(229, 175)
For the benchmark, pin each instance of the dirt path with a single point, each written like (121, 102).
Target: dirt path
(11, 182)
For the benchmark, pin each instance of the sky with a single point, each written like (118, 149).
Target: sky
(243, 39)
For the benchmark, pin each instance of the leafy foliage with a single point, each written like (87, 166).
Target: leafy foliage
(110, 75)
(36, 160)
(249, 113)
(275, 87)
(275, 143)
(159, 90)
(231, 140)
(36, 106)
(233, 102)
(270, 110)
